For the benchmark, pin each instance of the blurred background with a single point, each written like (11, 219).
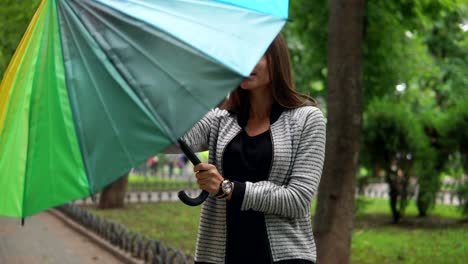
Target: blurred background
(406, 135)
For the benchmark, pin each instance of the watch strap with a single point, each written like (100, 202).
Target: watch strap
(220, 189)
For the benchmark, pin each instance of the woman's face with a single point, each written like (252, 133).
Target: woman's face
(259, 78)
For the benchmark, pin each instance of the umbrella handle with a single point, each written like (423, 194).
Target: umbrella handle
(195, 161)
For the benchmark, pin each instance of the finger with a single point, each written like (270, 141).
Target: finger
(202, 167)
(202, 175)
(203, 178)
(203, 181)
(204, 186)
(197, 167)
(205, 175)
(208, 187)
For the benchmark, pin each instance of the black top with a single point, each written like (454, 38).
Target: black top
(247, 159)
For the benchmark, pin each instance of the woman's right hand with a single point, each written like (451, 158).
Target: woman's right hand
(208, 177)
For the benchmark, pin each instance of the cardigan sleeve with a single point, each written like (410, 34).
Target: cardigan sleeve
(198, 136)
(294, 198)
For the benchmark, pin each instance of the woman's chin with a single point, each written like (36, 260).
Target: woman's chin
(245, 85)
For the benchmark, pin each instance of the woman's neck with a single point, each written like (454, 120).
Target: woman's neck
(260, 103)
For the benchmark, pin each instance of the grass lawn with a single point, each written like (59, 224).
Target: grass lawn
(175, 224)
(394, 244)
(441, 238)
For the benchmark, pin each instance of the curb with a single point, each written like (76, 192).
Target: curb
(102, 243)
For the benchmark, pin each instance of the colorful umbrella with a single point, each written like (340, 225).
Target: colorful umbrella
(95, 87)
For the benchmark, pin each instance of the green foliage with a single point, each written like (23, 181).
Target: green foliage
(16, 16)
(361, 205)
(455, 139)
(462, 191)
(429, 179)
(418, 43)
(455, 128)
(429, 186)
(454, 168)
(390, 57)
(400, 38)
(307, 39)
(448, 44)
(363, 178)
(390, 128)
(395, 142)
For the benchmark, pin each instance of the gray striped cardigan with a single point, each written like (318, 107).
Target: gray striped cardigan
(298, 139)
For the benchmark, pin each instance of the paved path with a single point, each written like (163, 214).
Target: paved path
(45, 239)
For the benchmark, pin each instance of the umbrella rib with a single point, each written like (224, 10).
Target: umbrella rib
(100, 97)
(132, 43)
(153, 61)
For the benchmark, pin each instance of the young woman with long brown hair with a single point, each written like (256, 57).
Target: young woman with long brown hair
(267, 145)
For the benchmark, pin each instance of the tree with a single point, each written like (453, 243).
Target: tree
(113, 196)
(307, 40)
(397, 146)
(334, 214)
(419, 48)
(415, 53)
(429, 181)
(447, 43)
(16, 16)
(455, 138)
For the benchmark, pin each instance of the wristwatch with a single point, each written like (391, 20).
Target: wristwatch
(225, 188)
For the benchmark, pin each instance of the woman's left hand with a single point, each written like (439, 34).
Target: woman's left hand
(208, 177)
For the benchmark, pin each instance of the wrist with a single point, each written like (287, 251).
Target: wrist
(228, 198)
(226, 188)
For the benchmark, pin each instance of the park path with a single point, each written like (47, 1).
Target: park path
(45, 239)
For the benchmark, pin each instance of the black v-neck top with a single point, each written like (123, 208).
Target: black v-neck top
(247, 159)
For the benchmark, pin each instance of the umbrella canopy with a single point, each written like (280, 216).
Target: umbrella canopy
(95, 87)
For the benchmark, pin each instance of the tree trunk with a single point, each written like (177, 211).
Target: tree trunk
(113, 195)
(421, 204)
(334, 214)
(394, 193)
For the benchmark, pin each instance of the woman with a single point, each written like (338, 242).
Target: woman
(266, 146)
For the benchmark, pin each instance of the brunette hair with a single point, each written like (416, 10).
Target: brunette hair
(282, 82)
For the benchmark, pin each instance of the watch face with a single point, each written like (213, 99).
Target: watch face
(227, 187)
